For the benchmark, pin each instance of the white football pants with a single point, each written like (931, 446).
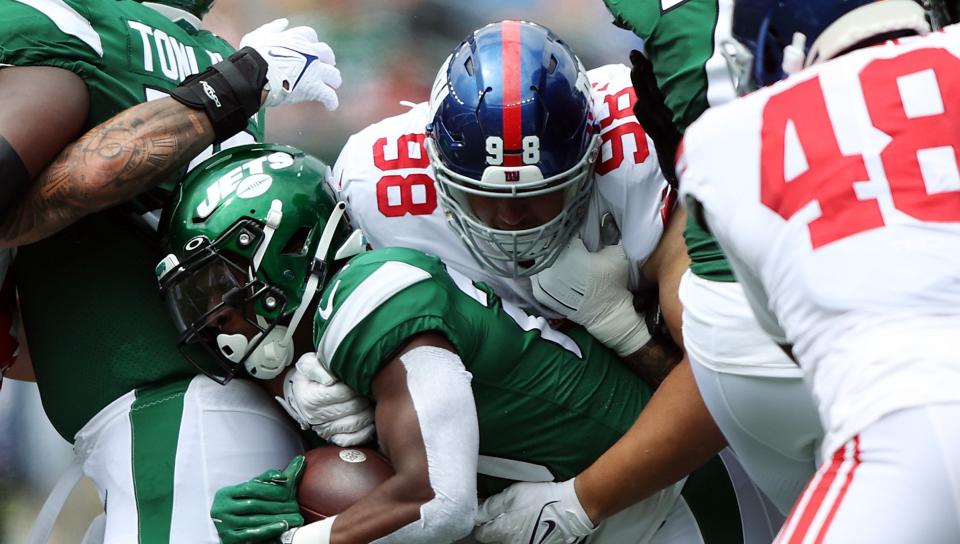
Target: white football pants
(158, 456)
(896, 482)
(754, 392)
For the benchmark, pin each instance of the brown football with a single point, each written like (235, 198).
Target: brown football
(335, 478)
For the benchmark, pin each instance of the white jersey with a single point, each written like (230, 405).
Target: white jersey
(385, 177)
(836, 196)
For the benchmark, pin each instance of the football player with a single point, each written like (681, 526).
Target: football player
(155, 441)
(471, 392)
(738, 369)
(835, 195)
(524, 153)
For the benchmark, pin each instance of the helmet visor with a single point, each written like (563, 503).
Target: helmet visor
(210, 296)
(200, 293)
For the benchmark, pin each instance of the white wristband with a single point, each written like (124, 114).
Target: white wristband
(618, 326)
(317, 532)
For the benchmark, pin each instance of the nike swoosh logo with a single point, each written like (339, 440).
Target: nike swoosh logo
(328, 308)
(278, 52)
(551, 527)
(306, 57)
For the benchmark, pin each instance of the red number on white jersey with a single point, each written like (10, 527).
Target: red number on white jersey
(620, 106)
(904, 100)
(829, 176)
(398, 195)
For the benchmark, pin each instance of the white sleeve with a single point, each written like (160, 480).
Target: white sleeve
(628, 178)
(440, 388)
(337, 180)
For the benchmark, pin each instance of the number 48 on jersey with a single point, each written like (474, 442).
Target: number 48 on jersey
(914, 99)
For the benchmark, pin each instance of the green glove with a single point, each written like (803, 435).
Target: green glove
(261, 509)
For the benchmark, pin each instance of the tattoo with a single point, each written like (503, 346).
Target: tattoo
(654, 360)
(117, 160)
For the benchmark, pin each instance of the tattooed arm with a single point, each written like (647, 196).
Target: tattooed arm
(126, 155)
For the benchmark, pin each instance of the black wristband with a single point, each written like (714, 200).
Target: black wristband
(14, 175)
(229, 91)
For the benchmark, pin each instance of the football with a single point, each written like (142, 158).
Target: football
(335, 478)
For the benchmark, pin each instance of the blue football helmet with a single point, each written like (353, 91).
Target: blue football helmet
(513, 118)
(775, 38)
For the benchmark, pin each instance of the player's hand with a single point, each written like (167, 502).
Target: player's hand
(300, 67)
(316, 400)
(546, 513)
(591, 289)
(261, 509)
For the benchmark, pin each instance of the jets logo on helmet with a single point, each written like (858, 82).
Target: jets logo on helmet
(259, 246)
(513, 118)
(248, 180)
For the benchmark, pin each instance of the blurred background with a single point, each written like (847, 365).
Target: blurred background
(391, 51)
(388, 52)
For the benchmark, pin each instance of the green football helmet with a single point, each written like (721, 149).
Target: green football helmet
(255, 230)
(199, 8)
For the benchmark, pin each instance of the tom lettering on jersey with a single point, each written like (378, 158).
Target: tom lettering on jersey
(163, 54)
(247, 181)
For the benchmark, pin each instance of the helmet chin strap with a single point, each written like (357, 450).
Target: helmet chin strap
(275, 352)
(269, 358)
(271, 223)
(794, 54)
(323, 249)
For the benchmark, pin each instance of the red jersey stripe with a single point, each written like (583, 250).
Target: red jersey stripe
(512, 95)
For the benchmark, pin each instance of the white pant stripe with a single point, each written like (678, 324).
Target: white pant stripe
(833, 494)
(791, 525)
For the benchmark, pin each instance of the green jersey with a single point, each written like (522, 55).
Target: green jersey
(551, 400)
(88, 296)
(680, 37)
(548, 403)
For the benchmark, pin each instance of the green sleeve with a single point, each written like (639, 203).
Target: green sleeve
(679, 39)
(638, 16)
(49, 35)
(379, 304)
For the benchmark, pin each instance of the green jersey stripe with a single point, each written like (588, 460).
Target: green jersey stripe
(154, 431)
(388, 280)
(69, 21)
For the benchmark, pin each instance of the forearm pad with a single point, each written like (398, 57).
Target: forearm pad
(229, 91)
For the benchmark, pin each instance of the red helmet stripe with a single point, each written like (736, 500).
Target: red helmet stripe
(512, 112)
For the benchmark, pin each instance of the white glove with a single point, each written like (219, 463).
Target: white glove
(300, 68)
(546, 513)
(591, 289)
(316, 400)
